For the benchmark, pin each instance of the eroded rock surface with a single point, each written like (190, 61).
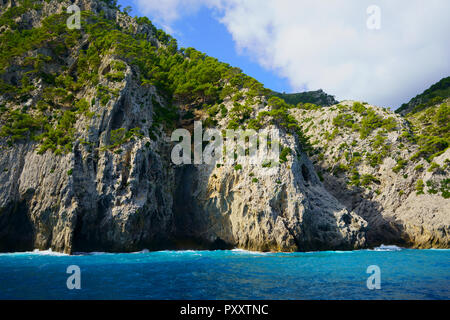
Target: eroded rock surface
(102, 196)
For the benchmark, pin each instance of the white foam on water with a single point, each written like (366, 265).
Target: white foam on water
(335, 251)
(388, 248)
(38, 252)
(180, 251)
(249, 252)
(48, 252)
(140, 252)
(177, 252)
(94, 253)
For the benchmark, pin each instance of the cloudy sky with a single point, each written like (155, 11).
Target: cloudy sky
(383, 55)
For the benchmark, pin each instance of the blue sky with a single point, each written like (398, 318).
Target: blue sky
(202, 31)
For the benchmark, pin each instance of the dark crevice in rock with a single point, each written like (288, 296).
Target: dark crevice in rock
(16, 228)
(88, 233)
(305, 173)
(379, 229)
(191, 224)
(119, 115)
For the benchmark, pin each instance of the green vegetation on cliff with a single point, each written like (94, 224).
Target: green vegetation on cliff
(436, 94)
(314, 97)
(184, 76)
(432, 129)
(42, 88)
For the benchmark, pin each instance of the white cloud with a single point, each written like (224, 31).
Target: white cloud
(326, 44)
(166, 12)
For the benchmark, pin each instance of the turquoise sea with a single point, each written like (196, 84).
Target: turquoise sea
(234, 274)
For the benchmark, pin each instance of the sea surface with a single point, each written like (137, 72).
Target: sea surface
(233, 274)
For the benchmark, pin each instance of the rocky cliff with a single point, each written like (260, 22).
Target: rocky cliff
(369, 159)
(85, 164)
(318, 97)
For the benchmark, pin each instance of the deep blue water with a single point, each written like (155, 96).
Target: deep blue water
(236, 274)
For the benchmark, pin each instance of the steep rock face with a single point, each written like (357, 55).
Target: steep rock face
(380, 186)
(125, 196)
(425, 218)
(90, 199)
(116, 188)
(108, 196)
(94, 199)
(31, 198)
(284, 208)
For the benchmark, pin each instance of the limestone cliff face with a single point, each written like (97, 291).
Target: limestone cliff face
(93, 199)
(377, 177)
(284, 208)
(90, 199)
(102, 195)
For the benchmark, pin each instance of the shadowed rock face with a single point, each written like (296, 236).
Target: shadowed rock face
(95, 198)
(287, 209)
(89, 200)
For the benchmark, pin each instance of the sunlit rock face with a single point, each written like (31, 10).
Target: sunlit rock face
(115, 188)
